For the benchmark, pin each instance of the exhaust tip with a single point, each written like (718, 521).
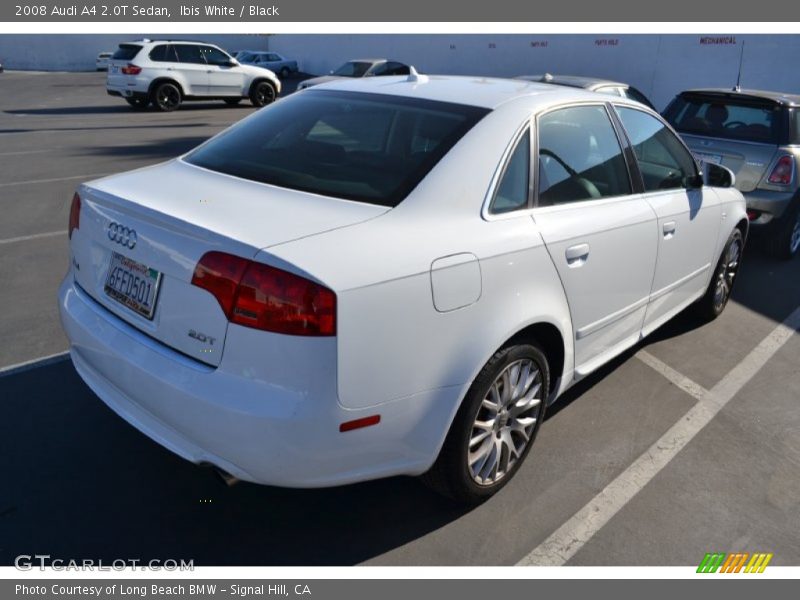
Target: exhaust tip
(222, 475)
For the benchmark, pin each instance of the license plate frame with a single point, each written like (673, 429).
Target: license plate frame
(133, 285)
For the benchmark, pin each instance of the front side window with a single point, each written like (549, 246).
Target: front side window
(663, 160)
(214, 56)
(580, 157)
(512, 189)
(371, 148)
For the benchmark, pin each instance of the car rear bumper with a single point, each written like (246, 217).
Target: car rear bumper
(231, 418)
(768, 205)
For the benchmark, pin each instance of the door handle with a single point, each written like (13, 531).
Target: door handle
(170, 69)
(669, 229)
(577, 255)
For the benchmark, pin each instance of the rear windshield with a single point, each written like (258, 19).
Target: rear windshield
(372, 148)
(126, 52)
(730, 118)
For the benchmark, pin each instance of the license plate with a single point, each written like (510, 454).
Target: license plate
(133, 284)
(709, 158)
(114, 69)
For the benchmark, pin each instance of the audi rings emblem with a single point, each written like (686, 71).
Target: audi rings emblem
(124, 236)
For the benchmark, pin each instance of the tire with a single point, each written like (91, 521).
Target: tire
(785, 243)
(232, 101)
(284, 73)
(471, 479)
(167, 96)
(262, 93)
(137, 103)
(714, 301)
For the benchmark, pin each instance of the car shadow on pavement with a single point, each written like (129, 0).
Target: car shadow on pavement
(79, 482)
(168, 148)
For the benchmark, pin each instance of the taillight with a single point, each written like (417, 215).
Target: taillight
(782, 171)
(74, 215)
(263, 297)
(131, 69)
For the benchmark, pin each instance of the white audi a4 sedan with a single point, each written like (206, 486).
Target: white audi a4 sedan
(390, 276)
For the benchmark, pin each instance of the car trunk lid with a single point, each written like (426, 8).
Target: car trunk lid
(142, 233)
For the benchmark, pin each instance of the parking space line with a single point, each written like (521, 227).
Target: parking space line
(41, 361)
(34, 236)
(565, 542)
(32, 181)
(678, 379)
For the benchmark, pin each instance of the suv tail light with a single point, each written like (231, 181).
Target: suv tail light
(131, 69)
(263, 297)
(74, 215)
(782, 171)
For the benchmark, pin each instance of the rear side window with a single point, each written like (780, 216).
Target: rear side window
(663, 160)
(726, 117)
(512, 190)
(163, 53)
(580, 157)
(188, 53)
(126, 52)
(371, 148)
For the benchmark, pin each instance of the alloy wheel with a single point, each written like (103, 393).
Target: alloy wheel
(726, 273)
(505, 422)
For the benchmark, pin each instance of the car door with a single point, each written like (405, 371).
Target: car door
(193, 69)
(224, 77)
(600, 233)
(688, 214)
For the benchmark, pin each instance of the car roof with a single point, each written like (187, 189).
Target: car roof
(777, 97)
(578, 81)
(485, 92)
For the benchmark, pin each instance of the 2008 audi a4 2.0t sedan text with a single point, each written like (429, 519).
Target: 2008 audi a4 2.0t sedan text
(390, 276)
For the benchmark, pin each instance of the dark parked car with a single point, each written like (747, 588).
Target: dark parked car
(593, 84)
(755, 134)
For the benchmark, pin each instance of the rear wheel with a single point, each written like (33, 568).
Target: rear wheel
(138, 103)
(167, 97)
(785, 244)
(711, 305)
(495, 427)
(262, 93)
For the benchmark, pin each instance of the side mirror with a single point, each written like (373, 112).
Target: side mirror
(694, 182)
(718, 176)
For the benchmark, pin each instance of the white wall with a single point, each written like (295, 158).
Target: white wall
(47, 52)
(659, 65)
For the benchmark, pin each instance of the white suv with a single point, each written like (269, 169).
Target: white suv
(167, 72)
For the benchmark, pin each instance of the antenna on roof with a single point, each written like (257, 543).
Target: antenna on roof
(738, 87)
(414, 77)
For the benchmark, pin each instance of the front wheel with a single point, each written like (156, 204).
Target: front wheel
(262, 93)
(495, 427)
(714, 301)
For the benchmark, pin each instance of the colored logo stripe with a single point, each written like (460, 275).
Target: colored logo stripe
(734, 562)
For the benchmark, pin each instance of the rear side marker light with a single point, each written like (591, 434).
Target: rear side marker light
(782, 171)
(359, 423)
(74, 215)
(131, 69)
(259, 296)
